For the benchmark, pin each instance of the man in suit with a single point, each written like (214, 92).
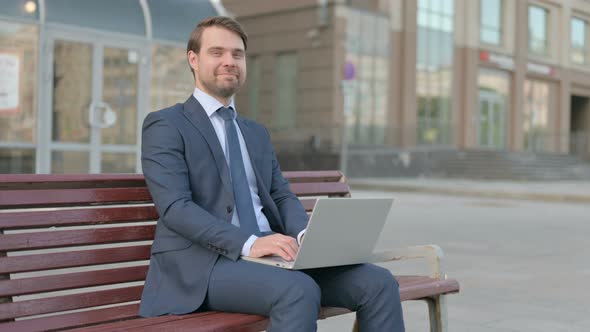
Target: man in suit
(218, 188)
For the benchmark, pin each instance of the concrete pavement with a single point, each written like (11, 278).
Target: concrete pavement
(549, 191)
(523, 265)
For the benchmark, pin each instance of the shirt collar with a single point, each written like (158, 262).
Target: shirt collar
(209, 103)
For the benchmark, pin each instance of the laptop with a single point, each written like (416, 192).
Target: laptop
(341, 231)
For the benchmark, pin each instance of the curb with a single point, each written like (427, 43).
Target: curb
(561, 198)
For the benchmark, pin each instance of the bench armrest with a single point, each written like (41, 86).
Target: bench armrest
(432, 253)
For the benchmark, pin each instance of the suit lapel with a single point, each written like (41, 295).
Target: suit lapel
(256, 156)
(197, 116)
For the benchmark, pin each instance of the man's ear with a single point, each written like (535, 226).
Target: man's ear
(192, 59)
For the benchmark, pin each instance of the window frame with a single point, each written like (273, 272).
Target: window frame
(548, 53)
(501, 25)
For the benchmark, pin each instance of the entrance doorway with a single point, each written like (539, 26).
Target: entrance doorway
(580, 126)
(93, 94)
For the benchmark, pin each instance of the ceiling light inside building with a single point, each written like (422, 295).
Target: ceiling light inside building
(30, 7)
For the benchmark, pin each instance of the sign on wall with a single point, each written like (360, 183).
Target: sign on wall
(10, 64)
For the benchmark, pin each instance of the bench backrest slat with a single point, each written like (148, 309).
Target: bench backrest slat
(73, 319)
(313, 176)
(52, 283)
(77, 217)
(320, 188)
(69, 302)
(60, 260)
(71, 197)
(50, 222)
(53, 239)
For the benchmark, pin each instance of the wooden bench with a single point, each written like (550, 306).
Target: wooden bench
(74, 251)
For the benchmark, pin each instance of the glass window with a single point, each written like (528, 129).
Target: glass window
(120, 74)
(98, 14)
(117, 162)
(434, 71)
(175, 19)
(28, 9)
(253, 86)
(172, 80)
(17, 161)
(18, 81)
(536, 126)
(579, 44)
(490, 14)
(72, 91)
(70, 162)
(370, 57)
(538, 30)
(286, 90)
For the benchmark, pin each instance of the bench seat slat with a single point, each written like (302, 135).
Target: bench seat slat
(69, 302)
(76, 217)
(141, 323)
(25, 286)
(427, 287)
(71, 197)
(320, 189)
(54, 239)
(39, 262)
(220, 321)
(104, 315)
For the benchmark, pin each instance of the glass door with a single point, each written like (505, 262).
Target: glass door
(93, 104)
(490, 129)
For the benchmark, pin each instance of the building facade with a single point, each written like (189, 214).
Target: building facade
(500, 75)
(78, 77)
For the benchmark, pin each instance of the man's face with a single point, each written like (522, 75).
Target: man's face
(220, 66)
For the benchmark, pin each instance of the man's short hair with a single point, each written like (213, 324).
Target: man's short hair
(194, 42)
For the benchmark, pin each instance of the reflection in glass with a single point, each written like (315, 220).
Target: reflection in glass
(286, 91)
(69, 162)
(538, 22)
(117, 162)
(253, 86)
(18, 49)
(578, 40)
(27, 9)
(490, 13)
(172, 81)
(98, 15)
(119, 91)
(370, 56)
(434, 71)
(72, 91)
(17, 161)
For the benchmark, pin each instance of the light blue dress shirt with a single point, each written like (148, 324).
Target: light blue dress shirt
(211, 105)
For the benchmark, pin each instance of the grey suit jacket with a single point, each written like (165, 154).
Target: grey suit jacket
(188, 178)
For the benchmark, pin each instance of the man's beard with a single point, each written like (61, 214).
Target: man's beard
(222, 90)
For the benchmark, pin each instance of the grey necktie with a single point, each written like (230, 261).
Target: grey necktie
(239, 180)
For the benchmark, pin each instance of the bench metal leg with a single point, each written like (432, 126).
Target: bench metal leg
(437, 309)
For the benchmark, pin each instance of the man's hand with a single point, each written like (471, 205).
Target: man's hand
(276, 244)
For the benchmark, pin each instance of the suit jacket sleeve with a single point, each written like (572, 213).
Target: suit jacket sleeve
(166, 174)
(290, 208)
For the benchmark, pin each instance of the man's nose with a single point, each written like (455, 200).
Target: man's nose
(228, 59)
